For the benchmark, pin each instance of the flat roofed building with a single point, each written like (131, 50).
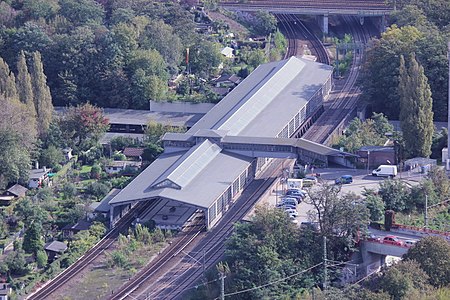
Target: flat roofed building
(201, 169)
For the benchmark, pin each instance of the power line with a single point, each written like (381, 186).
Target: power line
(273, 282)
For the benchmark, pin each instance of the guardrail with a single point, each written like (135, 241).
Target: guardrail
(419, 231)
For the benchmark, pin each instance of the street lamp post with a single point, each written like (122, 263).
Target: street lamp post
(368, 164)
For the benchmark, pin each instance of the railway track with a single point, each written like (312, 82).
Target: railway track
(296, 30)
(105, 243)
(181, 273)
(343, 101)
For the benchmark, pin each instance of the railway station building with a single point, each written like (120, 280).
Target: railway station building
(205, 169)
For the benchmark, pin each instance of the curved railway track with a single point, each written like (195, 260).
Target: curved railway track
(295, 30)
(343, 100)
(205, 251)
(105, 243)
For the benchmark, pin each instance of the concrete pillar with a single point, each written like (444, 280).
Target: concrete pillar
(111, 217)
(383, 23)
(325, 24)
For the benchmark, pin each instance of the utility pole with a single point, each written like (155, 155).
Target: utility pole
(222, 286)
(325, 274)
(426, 211)
(448, 139)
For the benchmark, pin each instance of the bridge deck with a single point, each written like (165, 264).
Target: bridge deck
(348, 7)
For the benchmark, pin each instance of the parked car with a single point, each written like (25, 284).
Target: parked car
(344, 179)
(393, 240)
(374, 238)
(309, 181)
(289, 200)
(292, 211)
(284, 206)
(410, 243)
(296, 194)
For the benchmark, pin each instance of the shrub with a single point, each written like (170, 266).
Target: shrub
(41, 258)
(97, 189)
(96, 172)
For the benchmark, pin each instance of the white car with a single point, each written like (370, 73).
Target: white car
(292, 212)
(410, 243)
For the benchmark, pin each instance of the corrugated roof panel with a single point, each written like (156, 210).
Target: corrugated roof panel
(259, 100)
(194, 163)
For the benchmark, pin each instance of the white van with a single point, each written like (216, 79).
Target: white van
(385, 171)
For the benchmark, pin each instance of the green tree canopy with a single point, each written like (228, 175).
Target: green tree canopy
(41, 92)
(416, 114)
(433, 255)
(402, 278)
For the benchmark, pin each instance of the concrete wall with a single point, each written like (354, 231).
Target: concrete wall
(181, 107)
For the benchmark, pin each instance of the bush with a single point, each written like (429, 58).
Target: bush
(119, 156)
(96, 172)
(98, 189)
(118, 259)
(41, 258)
(57, 168)
(69, 190)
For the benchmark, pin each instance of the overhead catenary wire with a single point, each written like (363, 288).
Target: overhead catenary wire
(272, 282)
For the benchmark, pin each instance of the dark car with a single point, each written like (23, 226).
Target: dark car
(344, 179)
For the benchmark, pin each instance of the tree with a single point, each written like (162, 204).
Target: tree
(37, 9)
(69, 190)
(51, 156)
(432, 253)
(41, 93)
(14, 159)
(16, 263)
(370, 132)
(30, 212)
(97, 189)
(268, 249)
(41, 258)
(402, 278)
(7, 81)
(96, 172)
(83, 125)
(267, 23)
(337, 215)
(155, 131)
(440, 181)
(416, 114)
(32, 239)
(394, 194)
(204, 57)
(23, 83)
(160, 36)
(374, 204)
(379, 76)
(82, 11)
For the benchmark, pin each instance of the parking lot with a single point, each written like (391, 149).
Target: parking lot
(361, 179)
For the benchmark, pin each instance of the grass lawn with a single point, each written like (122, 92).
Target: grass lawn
(100, 281)
(85, 170)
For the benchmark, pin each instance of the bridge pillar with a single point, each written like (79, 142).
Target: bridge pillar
(383, 23)
(323, 23)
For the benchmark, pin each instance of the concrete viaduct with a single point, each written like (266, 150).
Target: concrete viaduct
(320, 8)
